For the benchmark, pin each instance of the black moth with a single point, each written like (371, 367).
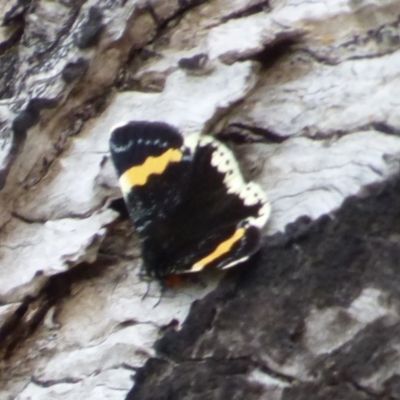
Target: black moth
(187, 199)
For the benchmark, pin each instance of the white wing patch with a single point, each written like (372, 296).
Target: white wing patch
(251, 193)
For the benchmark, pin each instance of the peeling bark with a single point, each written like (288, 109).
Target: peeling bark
(307, 95)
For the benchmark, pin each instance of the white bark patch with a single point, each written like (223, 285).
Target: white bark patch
(308, 98)
(108, 384)
(331, 328)
(307, 177)
(130, 346)
(273, 387)
(29, 250)
(228, 43)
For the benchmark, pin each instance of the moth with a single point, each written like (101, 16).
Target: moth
(187, 199)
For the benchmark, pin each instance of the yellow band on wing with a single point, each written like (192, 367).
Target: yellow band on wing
(139, 174)
(222, 249)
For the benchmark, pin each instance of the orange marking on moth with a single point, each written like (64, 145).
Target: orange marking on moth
(221, 249)
(173, 281)
(139, 174)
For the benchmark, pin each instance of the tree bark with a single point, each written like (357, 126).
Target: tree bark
(306, 93)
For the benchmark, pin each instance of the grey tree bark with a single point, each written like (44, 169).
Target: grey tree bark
(307, 93)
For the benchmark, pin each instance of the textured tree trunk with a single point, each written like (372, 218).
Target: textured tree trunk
(307, 94)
